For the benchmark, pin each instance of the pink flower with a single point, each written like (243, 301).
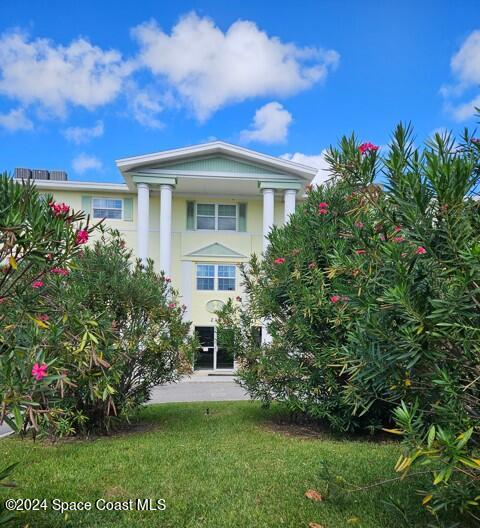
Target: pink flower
(2, 300)
(322, 211)
(312, 265)
(398, 239)
(360, 251)
(335, 298)
(39, 371)
(37, 284)
(397, 229)
(168, 279)
(322, 205)
(59, 209)
(60, 271)
(420, 250)
(365, 148)
(43, 317)
(359, 225)
(279, 260)
(172, 305)
(82, 237)
(238, 298)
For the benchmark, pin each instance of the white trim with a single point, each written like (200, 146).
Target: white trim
(81, 186)
(216, 147)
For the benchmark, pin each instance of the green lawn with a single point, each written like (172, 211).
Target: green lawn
(222, 470)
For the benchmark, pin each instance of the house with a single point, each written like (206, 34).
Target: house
(198, 212)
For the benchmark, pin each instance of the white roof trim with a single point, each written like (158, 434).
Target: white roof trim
(217, 147)
(80, 186)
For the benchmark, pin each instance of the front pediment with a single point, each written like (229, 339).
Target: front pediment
(219, 164)
(216, 250)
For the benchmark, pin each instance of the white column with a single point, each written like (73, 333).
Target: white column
(289, 203)
(165, 228)
(143, 198)
(268, 211)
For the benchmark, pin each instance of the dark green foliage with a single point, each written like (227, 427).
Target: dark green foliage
(376, 301)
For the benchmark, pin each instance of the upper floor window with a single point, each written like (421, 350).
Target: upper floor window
(216, 277)
(217, 217)
(107, 208)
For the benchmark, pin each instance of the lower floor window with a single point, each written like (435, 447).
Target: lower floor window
(216, 277)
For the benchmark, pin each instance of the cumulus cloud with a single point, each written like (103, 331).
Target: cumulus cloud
(84, 134)
(270, 125)
(210, 68)
(312, 160)
(145, 106)
(84, 162)
(15, 120)
(465, 67)
(54, 76)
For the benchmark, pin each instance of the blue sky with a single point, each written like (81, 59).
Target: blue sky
(85, 83)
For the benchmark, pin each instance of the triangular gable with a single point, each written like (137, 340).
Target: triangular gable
(218, 164)
(216, 250)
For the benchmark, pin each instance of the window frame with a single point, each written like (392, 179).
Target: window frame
(216, 277)
(216, 217)
(122, 209)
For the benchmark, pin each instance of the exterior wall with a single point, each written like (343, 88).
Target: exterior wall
(183, 270)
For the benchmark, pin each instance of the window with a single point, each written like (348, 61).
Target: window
(216, 277)
(226, 278)
(217, 217)
(205, 277)
(107, 208)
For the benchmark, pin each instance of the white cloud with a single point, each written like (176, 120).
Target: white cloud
(16, 120)
(82, 135)
(312, 160)
(210, 68)
(145, 107)
(84, 162)
(465, 66)
(55, 76)
(270, 125)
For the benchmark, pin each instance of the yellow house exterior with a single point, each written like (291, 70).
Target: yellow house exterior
(198, 212)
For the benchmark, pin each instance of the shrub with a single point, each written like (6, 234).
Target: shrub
(117, 332)
(36, 236)
(371, 295)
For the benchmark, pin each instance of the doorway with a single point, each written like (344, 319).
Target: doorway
(209, 355)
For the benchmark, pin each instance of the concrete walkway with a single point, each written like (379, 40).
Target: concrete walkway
(200, 387)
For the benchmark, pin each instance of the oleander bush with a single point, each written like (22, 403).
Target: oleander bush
(37, 236)
(86, 331)
(371, 295)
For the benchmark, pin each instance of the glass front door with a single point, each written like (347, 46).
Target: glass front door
(209, 355)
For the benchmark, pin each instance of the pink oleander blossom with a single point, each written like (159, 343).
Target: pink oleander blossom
(322, 211)
(172, 305)
(60, 271)
(59, 209)
(43, 317)
(38, 284)
(335, 298)
(360, 251)
(279, 260)
(82, 237)
(312, 265)
(323, 205)
(39, 371)
(365, 148)
(397, 229)
(238, 298)
(359, 225)
(420, 250)
(398, 239)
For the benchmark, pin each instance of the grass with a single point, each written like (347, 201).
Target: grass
(227, 469)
